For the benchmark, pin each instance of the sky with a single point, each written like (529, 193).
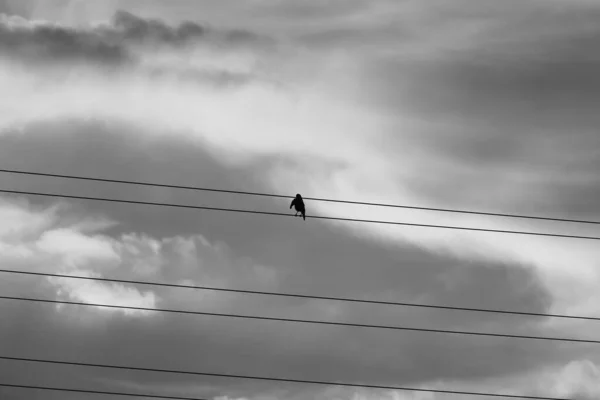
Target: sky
(470, 104)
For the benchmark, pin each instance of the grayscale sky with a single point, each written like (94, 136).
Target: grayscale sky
(488, 105)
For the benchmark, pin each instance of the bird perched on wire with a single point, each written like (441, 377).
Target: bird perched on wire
(298, 204)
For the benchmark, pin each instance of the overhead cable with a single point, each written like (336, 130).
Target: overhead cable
(65, 196)
(273, 379)
(305, 321)
(302, 296)
(320, 199)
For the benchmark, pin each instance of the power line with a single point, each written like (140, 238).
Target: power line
(204, 189)
(306, 321)
(290, 215)
(57, 389)
(287, 380)
(304, 296)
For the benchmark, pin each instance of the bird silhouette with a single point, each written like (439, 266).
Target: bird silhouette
(298, 204)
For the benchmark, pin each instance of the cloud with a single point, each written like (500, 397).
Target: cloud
(18, 223)
(453, 139)
(75, 248)
(125, 40)
(50, 248)
(259, 257)
(101, 293)
(50, 42)
(136, 28)
(66, 250)
(491, 119)
(578, 379)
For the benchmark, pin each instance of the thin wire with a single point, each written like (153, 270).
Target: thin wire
(147, 203)
(302, 296)
(305, 321)
(204, 189)
(287, 380)
(57, 389)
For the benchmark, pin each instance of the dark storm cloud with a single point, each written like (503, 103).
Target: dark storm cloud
(114, 150)
(309, 258)
(537, 64)
(257, 348)
(134, 28)
(52, 42)
(110, 44)
(520, 96)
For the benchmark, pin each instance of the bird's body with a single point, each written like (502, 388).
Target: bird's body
(298, 204)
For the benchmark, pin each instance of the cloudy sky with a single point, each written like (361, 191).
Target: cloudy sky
(473, 104)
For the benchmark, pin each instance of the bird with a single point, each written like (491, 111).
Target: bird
(298, 204)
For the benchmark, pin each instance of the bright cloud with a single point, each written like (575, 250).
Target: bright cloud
(577, 379)
(76, 249)
(55, 245)
(102, 293)
(65, 250)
